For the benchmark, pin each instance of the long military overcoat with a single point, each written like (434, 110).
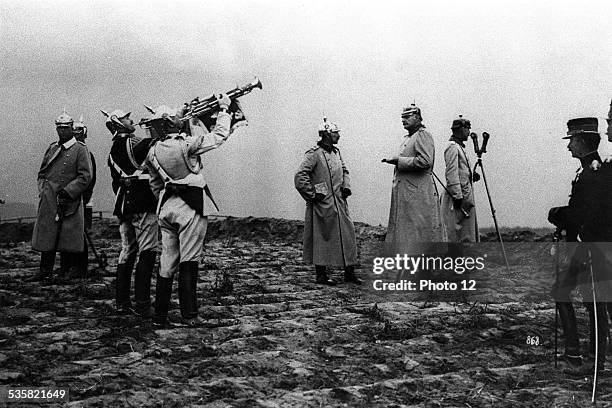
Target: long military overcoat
(414, 218)
(459, 228)
(69, 169)
(329, 233)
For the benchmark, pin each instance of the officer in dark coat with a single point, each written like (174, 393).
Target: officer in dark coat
(588, 219)
(135, 207)
(64, 175)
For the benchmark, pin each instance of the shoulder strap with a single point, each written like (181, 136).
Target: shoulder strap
(466, 160)
(159, 168)
(130, 153)
(119, 170)
(184, 149)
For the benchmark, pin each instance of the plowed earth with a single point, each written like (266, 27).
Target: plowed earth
(272, 338)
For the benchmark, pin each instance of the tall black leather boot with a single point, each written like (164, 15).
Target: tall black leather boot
(188, 294)
(123, 282)
(45, 272)
(142, 283)
(163, 293)
(570, 331)
(350, 277)
(322, 277)
(82, 260)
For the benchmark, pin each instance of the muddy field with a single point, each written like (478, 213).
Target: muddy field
(275, 339)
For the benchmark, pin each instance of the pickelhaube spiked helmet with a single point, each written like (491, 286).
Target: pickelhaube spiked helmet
(326, 126)
(410, 110)
(80, 126)
(118, 113)
(113, 120)
(163, 113)
(461, 122)
(64, 119)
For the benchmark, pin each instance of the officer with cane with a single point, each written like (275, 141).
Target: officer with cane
(587, 219)
(63, 177)
(458, 206)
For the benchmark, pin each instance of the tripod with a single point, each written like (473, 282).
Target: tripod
(479, 151)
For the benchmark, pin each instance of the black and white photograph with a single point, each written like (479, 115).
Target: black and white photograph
(270, 204)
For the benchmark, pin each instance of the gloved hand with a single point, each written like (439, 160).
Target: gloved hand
(393, 160)
(63, 196)
(558, 216)
(224, 101)
(318, 197)
(346, 192)
(457, 203)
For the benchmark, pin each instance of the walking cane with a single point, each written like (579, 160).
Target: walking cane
(102, 262)
(465, 213)
(596, 329)
(59, 220)
(556, 239)
(479, 152)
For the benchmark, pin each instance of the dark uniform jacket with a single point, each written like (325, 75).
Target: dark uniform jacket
(588, 217)
(589, 213)
(130, 181)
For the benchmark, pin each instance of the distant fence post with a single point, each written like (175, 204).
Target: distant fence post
(99, 214)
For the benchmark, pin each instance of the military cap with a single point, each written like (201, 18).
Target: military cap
(412, 109)
(581, 126)
(461, 123)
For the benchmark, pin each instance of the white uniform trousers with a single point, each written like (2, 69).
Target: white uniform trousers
(183, 231)
(139, 232)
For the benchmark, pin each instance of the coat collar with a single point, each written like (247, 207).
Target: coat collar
(69, 143)
(327, 148)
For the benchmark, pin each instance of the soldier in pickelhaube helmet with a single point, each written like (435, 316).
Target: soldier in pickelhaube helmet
(329, 234)
(458, 205)
(414, 217)
(135, 209)
(588, 219)
(80, 260)
(185, 202)
(63, 177)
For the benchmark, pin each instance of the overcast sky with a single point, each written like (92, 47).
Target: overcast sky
(517, 70)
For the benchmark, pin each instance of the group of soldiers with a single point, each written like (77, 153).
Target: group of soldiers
(159, 186)
(416, 216)
(419, 218)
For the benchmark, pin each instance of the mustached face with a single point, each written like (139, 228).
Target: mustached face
(64, 133)
(411, 120)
